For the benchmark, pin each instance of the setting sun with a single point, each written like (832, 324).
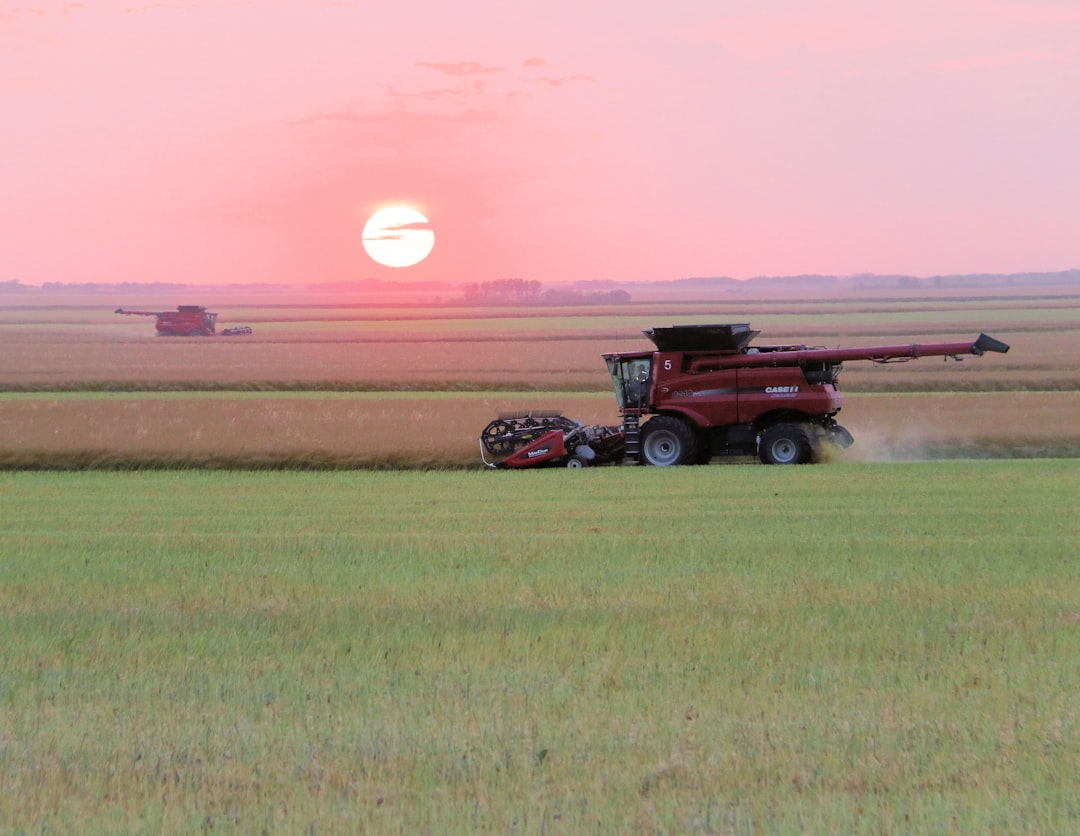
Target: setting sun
(398, 236)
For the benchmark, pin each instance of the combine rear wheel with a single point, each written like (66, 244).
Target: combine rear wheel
(785, 444)
(667, 440)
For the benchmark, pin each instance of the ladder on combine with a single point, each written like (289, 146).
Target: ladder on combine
(632, 435)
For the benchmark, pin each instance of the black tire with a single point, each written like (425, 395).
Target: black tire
(196, 332)
(576, 463)
(667, 440)
(785, 444)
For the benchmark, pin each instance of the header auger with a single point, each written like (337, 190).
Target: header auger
(705, 392)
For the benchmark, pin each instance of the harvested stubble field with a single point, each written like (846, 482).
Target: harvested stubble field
(848, 649)
(531, 349)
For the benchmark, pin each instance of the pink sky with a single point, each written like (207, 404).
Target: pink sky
(233, 141)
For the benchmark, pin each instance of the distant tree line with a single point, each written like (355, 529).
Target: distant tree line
(16, 286)
(532, 292)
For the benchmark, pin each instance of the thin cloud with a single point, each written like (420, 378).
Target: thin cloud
(13, 14)
(396, 232)
(153, 7)
(552, 80)
(346, 115)
(435, 95)
(390, 123)
(405, 227)
(561, 80)
(459, 67)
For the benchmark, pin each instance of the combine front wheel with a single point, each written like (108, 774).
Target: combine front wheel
(666, 440)
(785, 444)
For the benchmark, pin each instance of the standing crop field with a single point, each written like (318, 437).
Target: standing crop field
(853, 648)
(432, 430)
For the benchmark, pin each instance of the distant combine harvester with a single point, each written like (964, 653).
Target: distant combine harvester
(188, 321)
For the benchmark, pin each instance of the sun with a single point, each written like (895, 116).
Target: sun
(398, 236)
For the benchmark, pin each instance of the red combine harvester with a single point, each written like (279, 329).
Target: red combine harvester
(709, 393)
(187, 321)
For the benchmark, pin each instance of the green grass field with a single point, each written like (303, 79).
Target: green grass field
(850, 648)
